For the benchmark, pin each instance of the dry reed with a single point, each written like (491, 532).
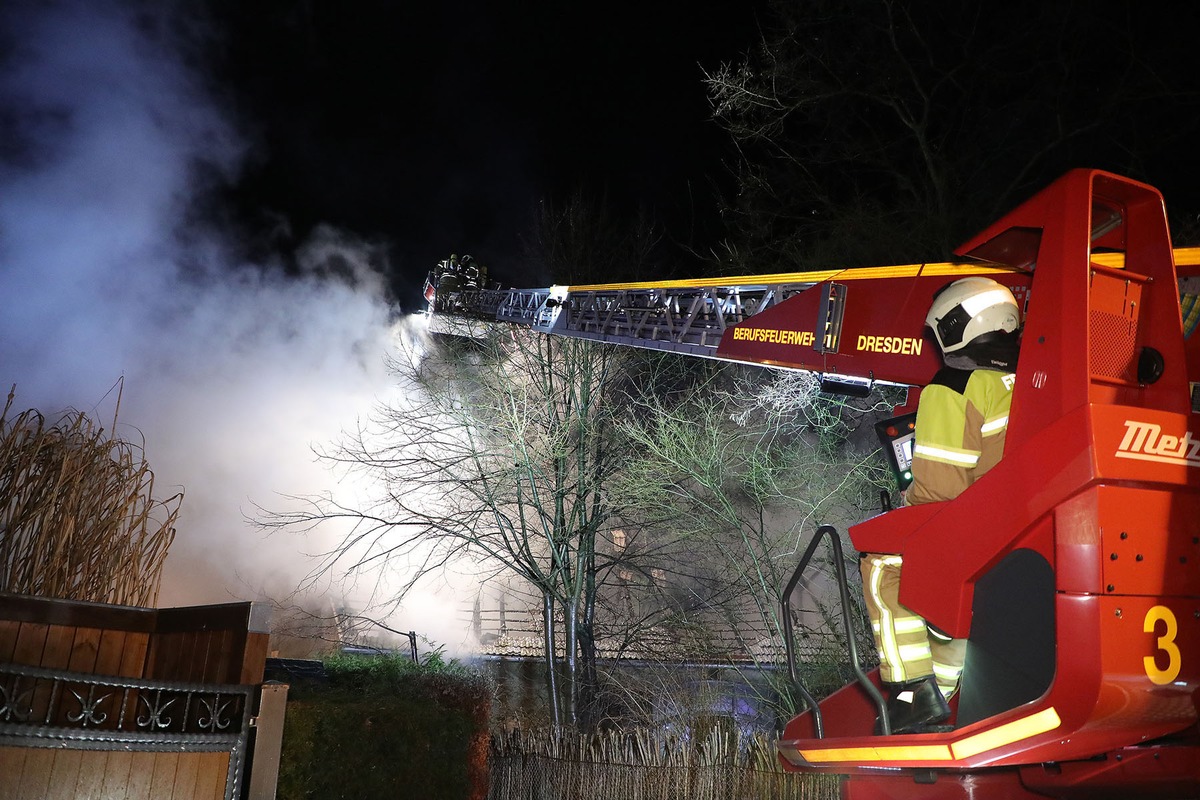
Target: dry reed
(646, 765)
(78, 519)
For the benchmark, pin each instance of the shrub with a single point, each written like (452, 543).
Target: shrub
(78, 516)
(385, 727)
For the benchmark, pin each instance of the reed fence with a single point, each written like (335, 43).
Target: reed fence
(722, 764)
(78, 519)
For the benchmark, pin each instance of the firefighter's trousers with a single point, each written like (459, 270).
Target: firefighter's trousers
(908, 648)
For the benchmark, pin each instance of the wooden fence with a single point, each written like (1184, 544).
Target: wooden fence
(120, 702)
(720, 764)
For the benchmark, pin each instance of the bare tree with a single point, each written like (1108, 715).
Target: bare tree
(580, 239)
(498, 454)
(879, 131)
(744, 475)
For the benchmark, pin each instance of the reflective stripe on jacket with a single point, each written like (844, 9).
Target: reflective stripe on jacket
(962, 418)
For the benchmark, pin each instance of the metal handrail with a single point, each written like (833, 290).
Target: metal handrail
(839, 567)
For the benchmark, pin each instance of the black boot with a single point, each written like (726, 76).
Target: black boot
(915, 705)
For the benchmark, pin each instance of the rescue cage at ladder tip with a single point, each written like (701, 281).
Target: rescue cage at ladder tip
(1070, 567)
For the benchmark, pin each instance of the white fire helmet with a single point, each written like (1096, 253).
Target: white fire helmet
(969, 308)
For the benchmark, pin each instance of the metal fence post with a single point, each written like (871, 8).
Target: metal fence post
(268, 742)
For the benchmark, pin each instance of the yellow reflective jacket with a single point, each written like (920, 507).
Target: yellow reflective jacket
(962, 418)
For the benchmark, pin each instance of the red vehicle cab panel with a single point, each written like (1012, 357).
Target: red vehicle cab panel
(1073, 566)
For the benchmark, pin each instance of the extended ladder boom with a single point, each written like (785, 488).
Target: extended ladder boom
(679, 316)
(853, 326)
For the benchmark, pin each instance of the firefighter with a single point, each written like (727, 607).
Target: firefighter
(962, 417)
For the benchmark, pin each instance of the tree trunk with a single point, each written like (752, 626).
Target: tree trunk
(571, 612)
(551, 649)
(589, 681)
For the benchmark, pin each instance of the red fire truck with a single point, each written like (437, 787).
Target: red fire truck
(1072, 567)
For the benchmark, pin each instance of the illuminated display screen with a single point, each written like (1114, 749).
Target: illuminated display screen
(896, 436)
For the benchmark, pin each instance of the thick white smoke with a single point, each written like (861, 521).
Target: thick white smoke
(231, 371)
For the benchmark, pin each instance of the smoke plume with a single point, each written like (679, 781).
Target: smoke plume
(109, 144)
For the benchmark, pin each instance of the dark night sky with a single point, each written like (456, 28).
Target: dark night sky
(439, 126)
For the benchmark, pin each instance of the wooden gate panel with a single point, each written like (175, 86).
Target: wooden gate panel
(35, 775)
(31, 642)
(220, 653)
(84, 650)
(133, 658)
(8, 638)
(110, 652)
(77, 775)
(187, 768)
(31, 645)
(118, 703)
(97, 769)
(12, 760)
(210, 778)
(67, 783)
(162, 776)
(117, 771)
(66, 774)
(209, 644)
(141, 772)
(57, 653)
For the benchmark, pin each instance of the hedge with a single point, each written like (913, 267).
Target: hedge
(386, 727)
